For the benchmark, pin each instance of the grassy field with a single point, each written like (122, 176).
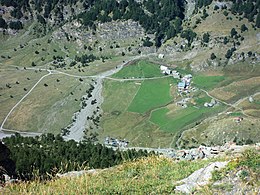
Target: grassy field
(140, 69)
(19, 82)
(152, 94)
(118, 122)
(207, 82)
(176, 120)
(220, 131)
(49, 108)
(118, 95)
(251, 108)
(237, 89)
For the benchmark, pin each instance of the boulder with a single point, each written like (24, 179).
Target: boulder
(200, 177)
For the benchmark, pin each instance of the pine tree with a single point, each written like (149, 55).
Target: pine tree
(258, 20)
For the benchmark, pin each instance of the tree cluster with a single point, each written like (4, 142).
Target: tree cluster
(249, 9)
(86, 58)
(7, 166)
(164, 18)
(51, 154)
(201, 3)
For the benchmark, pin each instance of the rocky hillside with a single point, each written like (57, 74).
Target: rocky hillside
(205, 34)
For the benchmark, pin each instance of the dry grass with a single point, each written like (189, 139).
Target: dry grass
(11, 76)
(49, 108)
(153, 175)
(223, 129)
(237, 89)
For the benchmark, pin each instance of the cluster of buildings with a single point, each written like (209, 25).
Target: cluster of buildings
(109, 141)
(212, 103)
(185, 82)
(184, 86)
(165, 70)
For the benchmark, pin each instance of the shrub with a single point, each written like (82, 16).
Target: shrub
(206, 37)
(225, 13)
(213, 56)
(16, 25)
(216, 7)
(243, 28)
(233, 32)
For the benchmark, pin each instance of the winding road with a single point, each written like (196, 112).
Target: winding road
(234, 105)
(76, 131)
(81, 123)
(28, 93)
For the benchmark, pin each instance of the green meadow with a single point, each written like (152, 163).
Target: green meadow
(208, 82)
(173, 122)
(152, 94)
(140, 69)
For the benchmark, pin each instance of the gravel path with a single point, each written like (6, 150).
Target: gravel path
(81, 123)
(8, 133)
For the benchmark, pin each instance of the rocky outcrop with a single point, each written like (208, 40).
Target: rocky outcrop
(213, 151)
(189, 8)
(77, 173)
(199, 178)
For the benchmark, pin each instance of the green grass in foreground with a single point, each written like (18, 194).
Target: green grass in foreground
(178, 120)
(207, 82)
(151, 175)
(140, 69)
(154, 175)
(152, 94)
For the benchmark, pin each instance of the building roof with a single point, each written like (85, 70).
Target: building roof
(163, 67)
(181, 84)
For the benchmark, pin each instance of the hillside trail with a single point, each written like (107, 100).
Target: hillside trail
(234, 105)
(2, 129)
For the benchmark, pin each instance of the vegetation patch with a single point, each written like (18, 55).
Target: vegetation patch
(152, 94)
(14, 85)
(41, 109)
(177, 120)
(118, 95)
(237, 175)
(207, 82)
(143, 176)
(140, 69)
(237, 89)
(235, 114)
(45, 155)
